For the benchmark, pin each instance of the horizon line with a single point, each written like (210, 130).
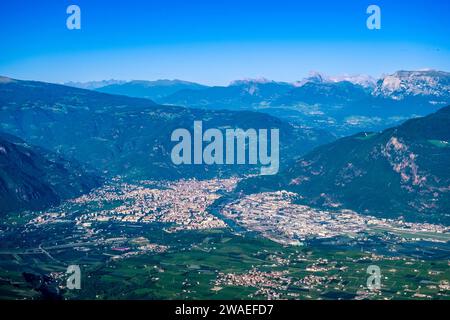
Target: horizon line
(329, 78)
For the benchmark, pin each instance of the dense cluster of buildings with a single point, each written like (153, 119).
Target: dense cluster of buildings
(278, 217)
(181, 204)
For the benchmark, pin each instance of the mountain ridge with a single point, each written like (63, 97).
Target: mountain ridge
(401, 172)
(32, 178)
(153, 90)
(120, 135)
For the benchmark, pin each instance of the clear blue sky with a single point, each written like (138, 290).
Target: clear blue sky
(214, 42)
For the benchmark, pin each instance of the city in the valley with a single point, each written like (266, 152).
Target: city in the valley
(200, 239)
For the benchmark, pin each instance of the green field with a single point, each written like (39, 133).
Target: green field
(196, 261)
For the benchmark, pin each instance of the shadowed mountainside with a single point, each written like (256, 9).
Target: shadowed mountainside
(32, 178)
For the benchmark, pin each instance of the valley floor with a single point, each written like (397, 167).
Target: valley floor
(193, 239)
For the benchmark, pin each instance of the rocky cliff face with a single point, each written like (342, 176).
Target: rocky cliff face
(402, 84)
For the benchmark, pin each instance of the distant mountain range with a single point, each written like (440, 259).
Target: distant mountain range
(400, 172)
(365, 81)
(342, 105)
(239, 95)
(92, 85)
(154, 90)
(120, 135)
(32, 178)
(403, 84)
